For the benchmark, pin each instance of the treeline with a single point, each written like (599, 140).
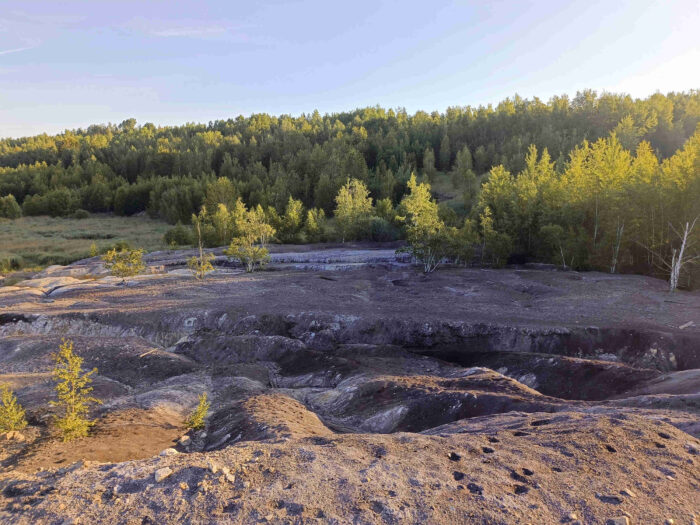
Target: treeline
(127, 168)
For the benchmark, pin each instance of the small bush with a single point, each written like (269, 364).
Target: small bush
(124, 263)
(73, 391)
(12, 263)
(195, 420)
(11, 412)
(81, 214)
(179, 235)
(382, 230)
(121, 246)
(249, 255)
(201, 265)
(9, 209)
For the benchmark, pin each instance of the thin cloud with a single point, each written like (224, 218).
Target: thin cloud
(15, 50)
(186, 28)
(191, 32)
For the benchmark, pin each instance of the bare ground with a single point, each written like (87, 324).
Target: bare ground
(346, 387)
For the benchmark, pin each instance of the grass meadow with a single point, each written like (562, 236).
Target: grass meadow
(35, 242)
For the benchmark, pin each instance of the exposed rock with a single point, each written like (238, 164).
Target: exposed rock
(162, 473)
(14, 435)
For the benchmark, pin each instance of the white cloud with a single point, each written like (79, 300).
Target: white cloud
(15, 50)
(189, 31)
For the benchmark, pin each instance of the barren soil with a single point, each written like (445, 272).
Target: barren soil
(347, 387)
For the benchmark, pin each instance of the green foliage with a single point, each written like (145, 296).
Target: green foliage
(12, 415)
(429, 164)
(31, 242)
(249, 255)
(252, 234)
(353, 210)
(56, 203)
(461, 242)
(124, 263)
(381, 230)
(9, 209)
(196, 420)
(497, 246)
(201, 265)
(315, 225)
(94, 250)
(426, 234)
(73, 391)
(221, 191)
(291, 223)
(179, 235)
(81, 214)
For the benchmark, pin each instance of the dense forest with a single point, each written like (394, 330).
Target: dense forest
(595, 181)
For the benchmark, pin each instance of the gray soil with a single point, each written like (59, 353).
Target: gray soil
(347, 387)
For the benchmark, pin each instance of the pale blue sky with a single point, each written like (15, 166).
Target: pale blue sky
(69, 64)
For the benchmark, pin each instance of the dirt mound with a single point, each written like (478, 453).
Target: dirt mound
(505, 469)
(263, 417)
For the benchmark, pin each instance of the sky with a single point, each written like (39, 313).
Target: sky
(69, 64)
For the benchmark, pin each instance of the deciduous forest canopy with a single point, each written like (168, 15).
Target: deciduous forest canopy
(593, 181)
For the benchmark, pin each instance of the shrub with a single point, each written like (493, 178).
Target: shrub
(73, 391)
(353, 210)
(428, 238)
(59, 202)
(249, 255)
(179, 235)
(94, 250)
(315, 226)
(96, 197)
(11, 412)
(132, 198)
(56, 203)
(9, 264)
(382, 230)
(9, 209)
(121, 245)
(81, 214)
(252, 228)
(124, 263)
(195, 420)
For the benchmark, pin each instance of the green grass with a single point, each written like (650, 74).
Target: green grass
(32, 242)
